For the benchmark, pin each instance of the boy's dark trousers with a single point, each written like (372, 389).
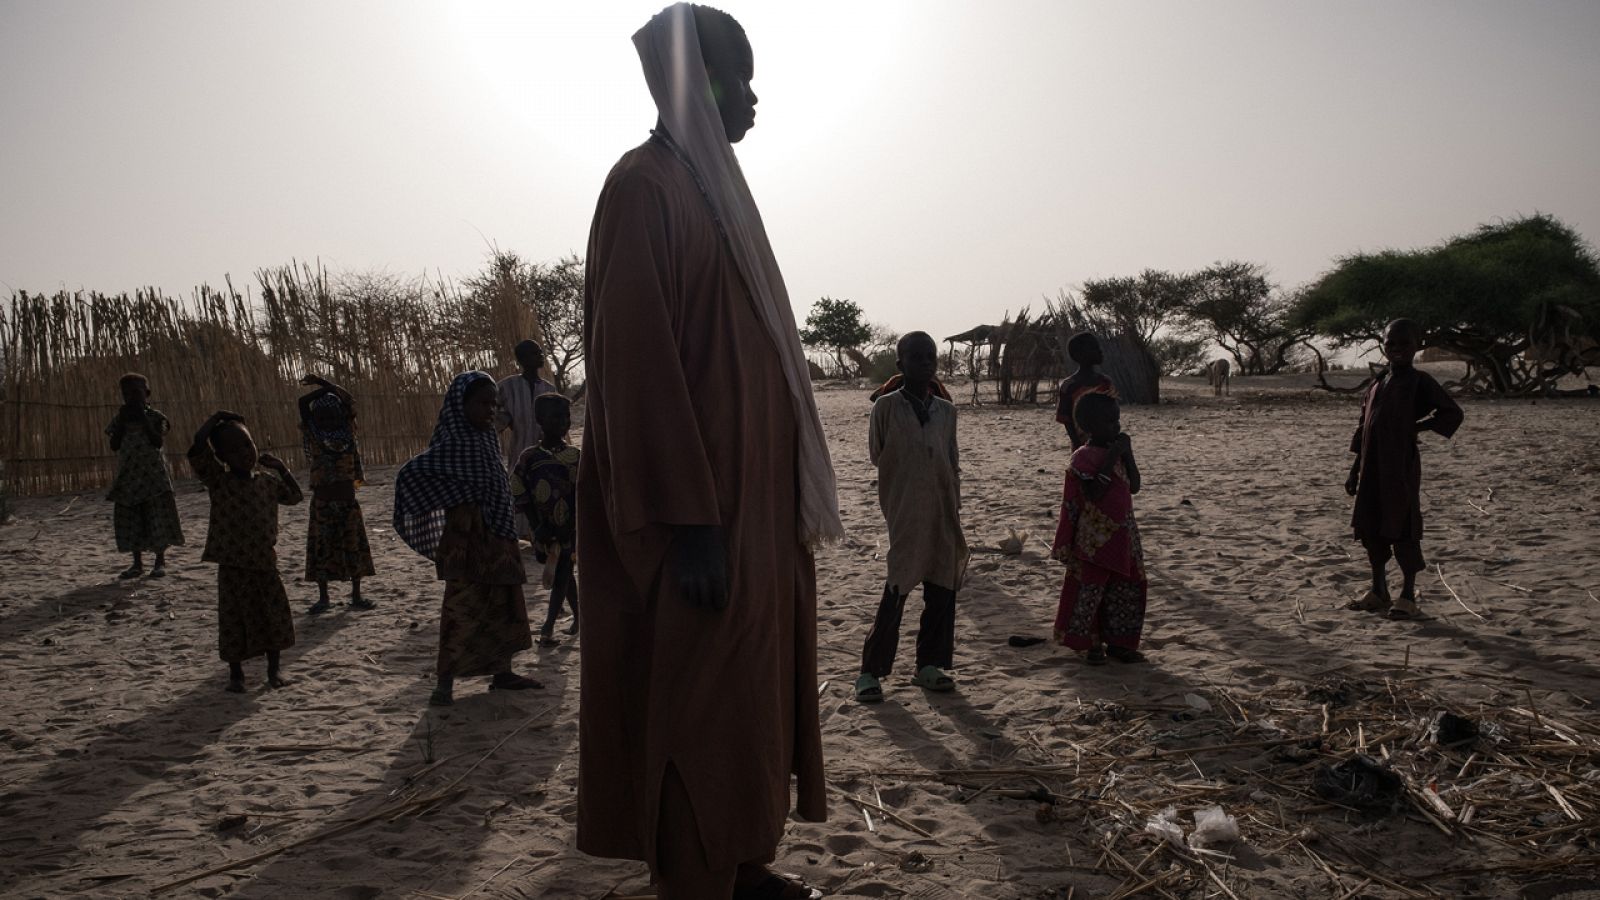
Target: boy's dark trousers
(562, 589)
(936, 639)
(1408, 553)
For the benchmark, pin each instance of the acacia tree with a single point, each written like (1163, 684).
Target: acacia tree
(553, 292)
(558, 304)
(1475, 295)
(837, 326)
(1247, 315)
(1141, 306)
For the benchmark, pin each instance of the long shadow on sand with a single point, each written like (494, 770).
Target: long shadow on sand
(439, 852)
(58, 608)
(47, 814)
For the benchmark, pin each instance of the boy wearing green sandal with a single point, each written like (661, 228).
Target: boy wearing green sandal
(912, 441)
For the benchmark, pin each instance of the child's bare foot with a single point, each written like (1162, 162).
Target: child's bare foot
(318, 608)
(277, 680)
(159, 571)
(1371, 601)
(1125, 655)
(362, 603)
(441, 696)
(235, 685)
(133, 571)
(573, 628)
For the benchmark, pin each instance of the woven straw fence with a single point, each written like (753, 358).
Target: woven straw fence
(393, 344)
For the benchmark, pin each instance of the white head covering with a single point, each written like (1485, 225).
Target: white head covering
(669, 48)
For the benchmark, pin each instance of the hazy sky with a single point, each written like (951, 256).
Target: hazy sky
(939, 162)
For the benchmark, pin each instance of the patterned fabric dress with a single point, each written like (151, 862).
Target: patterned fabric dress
(452, 504)
(337, 548)
(542, 485)
(253, 614)
(1104, 591)
(484, 620)
(145, 514)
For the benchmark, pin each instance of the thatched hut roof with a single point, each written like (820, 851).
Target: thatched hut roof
(976, 335)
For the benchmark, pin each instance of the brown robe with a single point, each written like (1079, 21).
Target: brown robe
(689, 422)
(1388, 497)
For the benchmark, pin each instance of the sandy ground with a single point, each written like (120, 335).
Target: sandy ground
(127, 766)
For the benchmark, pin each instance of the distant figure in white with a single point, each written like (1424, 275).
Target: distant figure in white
(1217, 376)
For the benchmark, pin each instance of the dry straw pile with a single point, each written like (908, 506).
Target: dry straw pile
(393, 343)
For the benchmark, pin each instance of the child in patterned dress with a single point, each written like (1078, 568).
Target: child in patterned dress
(253, 615)
(542, 485)
(336, 534)
(1102, 605)
(145, 515)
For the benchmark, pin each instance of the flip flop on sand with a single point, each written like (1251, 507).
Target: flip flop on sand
(1124, 655)
(1404, 608)
(1369, 602)
(868, 690)
(929, 678)
(507, 681)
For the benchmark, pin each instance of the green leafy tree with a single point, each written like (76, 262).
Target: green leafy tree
(1141, 306)
(1476, 295)
(1236, 305)
(837, 326)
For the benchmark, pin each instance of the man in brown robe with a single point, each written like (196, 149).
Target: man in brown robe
(699, 697)
(1386, 477)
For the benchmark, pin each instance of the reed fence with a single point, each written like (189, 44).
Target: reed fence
(393, 343)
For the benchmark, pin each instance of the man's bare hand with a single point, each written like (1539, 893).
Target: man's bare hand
(697, 566)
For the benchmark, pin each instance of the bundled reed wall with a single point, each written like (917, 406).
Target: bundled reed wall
(394, 344)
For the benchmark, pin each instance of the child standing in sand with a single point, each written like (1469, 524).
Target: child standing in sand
(1101, 611)
(912, 441)
(1386, 477)
(336, 534)
(452, 504)
(543, 484)
(145, 512)
(253, 615)
(1084, 349)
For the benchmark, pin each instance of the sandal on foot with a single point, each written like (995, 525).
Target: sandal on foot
(868, 690)
(362, 603)
(158, 572)
(131, 572)
(1095, 657)
(319, 607)
(514, 683)
(931, 679)
(1369, 602)
(777, 887)
(1125, 655)
(546, 640)
(1404, 608)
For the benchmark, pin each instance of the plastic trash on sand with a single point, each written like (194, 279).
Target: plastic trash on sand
(1213, 827)
(1165, 825)
(1198, 702)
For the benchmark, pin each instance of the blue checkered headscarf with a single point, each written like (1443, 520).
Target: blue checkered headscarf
(461, 465)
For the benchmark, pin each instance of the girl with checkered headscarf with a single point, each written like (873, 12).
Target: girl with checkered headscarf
(452, 504)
